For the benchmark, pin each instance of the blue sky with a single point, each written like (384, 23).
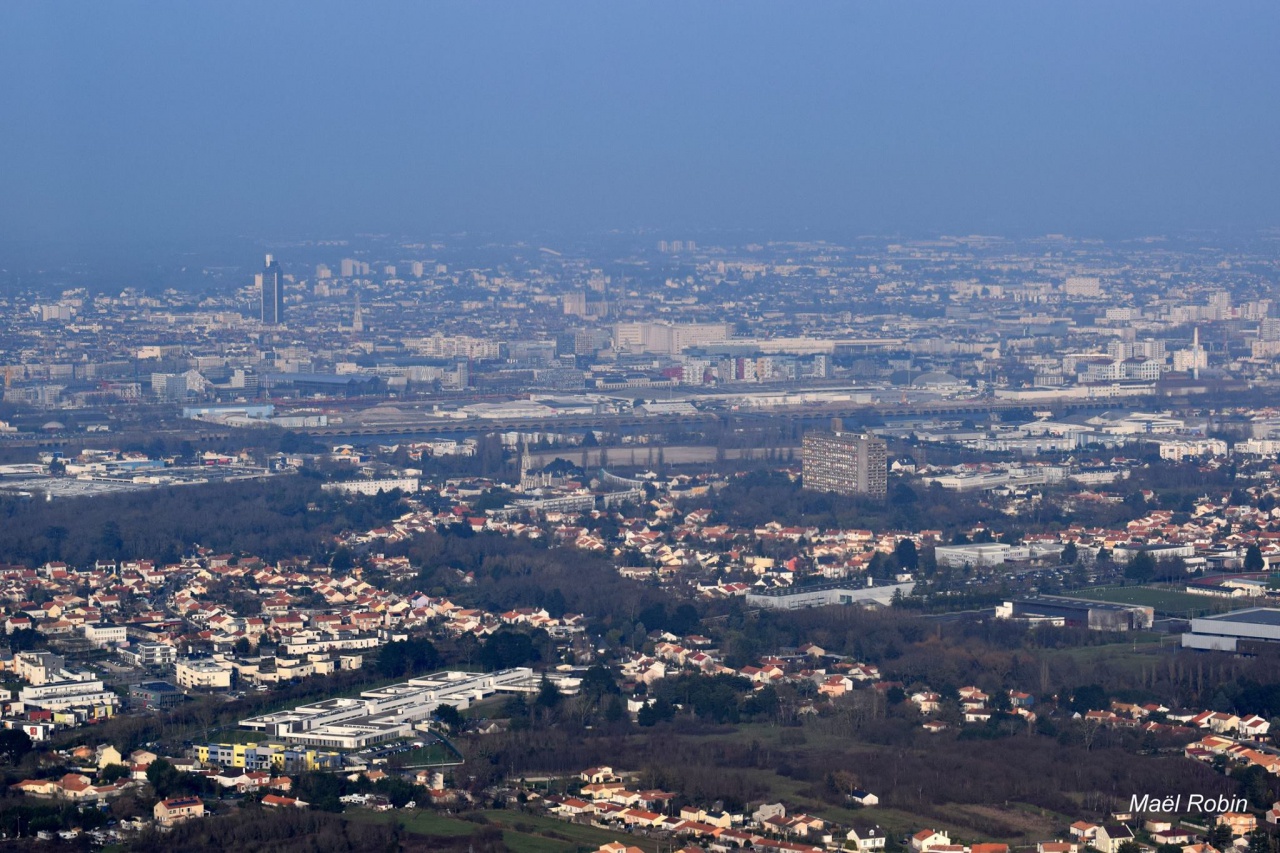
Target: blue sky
(129, 121)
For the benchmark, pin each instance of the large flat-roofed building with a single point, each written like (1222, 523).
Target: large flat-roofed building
(1079, 612)
(1249, 631)
(74, 693)
(848, 463)
(980, 554)
(372, 487)
(391, 713)
(823, 594)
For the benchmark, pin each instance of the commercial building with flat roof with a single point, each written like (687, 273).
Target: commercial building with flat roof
(391, 713)
(980, 554)
(151, 695)
(823, 594)
(1079, 612)
(1247, 631)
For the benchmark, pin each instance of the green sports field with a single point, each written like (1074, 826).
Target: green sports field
(1166, 602)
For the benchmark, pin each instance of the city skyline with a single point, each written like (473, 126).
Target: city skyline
(635, 427)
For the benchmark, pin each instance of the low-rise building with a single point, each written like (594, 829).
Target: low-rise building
(105, 636)
(203, 674)
(151, 695)
(175, 811)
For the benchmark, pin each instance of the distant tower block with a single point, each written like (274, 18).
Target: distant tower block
(271, 292)
(848, 463)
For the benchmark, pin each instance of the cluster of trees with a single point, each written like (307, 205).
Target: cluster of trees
(407, 658)
(275, 518)
(24, 817)
(167, 781)
(507, 572)
(913, 770)
(15, 745)
(717, 699)
(325, 790)
(255, 829)
(759, 497)
(507, 648)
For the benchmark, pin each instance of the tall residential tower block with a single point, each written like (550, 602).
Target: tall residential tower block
(848, 463)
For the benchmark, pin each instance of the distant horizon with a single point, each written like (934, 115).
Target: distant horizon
(137, 123)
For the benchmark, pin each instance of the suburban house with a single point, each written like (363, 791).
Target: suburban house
(1240, 823)
(927, 839)
(171, 812)
(1109, 838)
(866, 838)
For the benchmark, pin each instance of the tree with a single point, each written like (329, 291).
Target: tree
(1253, 561)
(449, 717)
(113, 773)
(907, 556)
(597, 681)
(14, 744)
(110, 541)
(406, 658)
(548, 694)
(654, 712)
(164, 777)
(24, 639)
(342, 561)
(1090, 697)
(903, 495)
(614, 710)
(1141, 568)
(1070, 554)
(1261, 841)
(506, 649)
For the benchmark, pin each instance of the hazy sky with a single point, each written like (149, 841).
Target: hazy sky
(199, 120)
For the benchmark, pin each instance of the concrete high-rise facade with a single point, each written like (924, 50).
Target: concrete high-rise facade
(271, 292)
(848, 463)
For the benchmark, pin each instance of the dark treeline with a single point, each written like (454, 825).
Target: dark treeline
(763, 496)
(275, 518)
(510, 572)
(258, 830)
(908, 768)
(760, 497)
(999, 655)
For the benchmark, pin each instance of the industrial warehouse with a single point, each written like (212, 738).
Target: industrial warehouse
(1252, 631)
(1079, 613)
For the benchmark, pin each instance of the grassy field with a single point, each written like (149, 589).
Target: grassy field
(523, 833)
(1166, 602)
(431, 754)
(240, 736)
